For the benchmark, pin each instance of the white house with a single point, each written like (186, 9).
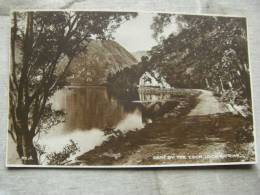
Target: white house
(153, 79)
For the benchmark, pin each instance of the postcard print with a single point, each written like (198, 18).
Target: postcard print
(128, 89)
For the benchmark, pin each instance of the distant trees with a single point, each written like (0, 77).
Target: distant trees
(123, 83)
(43, 44)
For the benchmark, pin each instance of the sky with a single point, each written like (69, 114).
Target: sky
(136, 34)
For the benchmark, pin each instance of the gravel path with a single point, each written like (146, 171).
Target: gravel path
(208, 104)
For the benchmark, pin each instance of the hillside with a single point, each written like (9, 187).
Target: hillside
(102, 58)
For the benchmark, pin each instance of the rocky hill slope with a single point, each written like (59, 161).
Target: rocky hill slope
(102, 58)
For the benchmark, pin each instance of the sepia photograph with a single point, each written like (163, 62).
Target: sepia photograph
(128, 89)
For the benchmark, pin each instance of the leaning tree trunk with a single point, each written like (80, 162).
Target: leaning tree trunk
(25, 147)
(26, 150)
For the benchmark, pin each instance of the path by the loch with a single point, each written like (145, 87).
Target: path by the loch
(208, 104)
(207, 130)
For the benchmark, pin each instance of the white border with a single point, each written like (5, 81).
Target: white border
(122, 11)
(128, 166)
(251, 90)
(135, 166)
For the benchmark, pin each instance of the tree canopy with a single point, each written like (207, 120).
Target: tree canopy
(208, 52)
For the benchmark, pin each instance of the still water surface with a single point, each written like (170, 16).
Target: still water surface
(90, 110)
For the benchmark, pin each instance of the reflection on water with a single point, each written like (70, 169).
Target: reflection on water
(91, 110)
(56, 139)
(150, 97)
(94, 107)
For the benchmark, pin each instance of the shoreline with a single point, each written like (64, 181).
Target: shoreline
(132, 139)
(168, 135)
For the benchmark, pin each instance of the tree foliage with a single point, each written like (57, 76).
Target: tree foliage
(208, 53)
(60, 158)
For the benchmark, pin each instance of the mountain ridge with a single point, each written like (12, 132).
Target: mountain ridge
(102, 59)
